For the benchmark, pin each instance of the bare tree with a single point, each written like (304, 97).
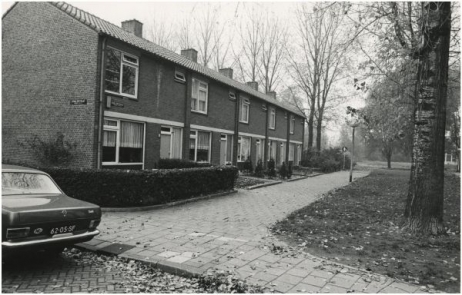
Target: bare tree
(274, 37)
(322, 47)
(247, 57)
(184, 35)
(162, 34)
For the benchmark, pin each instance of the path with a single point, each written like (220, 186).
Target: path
(230, 233)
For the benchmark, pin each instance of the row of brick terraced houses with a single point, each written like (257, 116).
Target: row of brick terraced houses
(126, 101)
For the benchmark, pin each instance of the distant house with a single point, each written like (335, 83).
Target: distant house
(126, 101)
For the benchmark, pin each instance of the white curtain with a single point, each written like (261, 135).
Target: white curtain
(203, 141)
(109, 138)
(131, 135)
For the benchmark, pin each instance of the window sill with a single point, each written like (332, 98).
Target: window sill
(121, 95)
(198, 112)
(121, 164)
(246, 123)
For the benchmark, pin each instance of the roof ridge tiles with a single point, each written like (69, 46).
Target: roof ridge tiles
(108, 28)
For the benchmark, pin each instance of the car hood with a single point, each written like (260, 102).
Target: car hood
(43, 208)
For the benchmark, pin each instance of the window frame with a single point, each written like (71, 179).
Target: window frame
(191, 136)
(272, 114)
(117, 129)
(123, 62)
(244, 101)
(292, 124)
(197, 98)
(239, 147)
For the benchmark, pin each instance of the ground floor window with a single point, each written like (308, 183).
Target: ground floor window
(226, 149)
(199, 146)
(170, 142)
(260, 147)
(272, 150)
(299, 154)
(243, 148)
(123, 142)
(291, 152)
(282, 154)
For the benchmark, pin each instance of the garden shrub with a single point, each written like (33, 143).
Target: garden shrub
(128, 188)
(328, 160)
(248, 167)
(283, 170)
(271, 171)
(259, 169)
(179, 164)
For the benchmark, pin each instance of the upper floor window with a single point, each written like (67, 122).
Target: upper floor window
(244, 110)
(199, 96)
(292, 124)
(272, 119)
(121, 73)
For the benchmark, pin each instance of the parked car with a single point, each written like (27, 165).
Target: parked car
(37, 215)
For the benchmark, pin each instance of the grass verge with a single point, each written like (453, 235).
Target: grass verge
(360, 225)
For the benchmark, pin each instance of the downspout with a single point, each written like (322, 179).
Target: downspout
(236, 128)
(265, 152)
(303, 140)
(287, 140)
(101, 104)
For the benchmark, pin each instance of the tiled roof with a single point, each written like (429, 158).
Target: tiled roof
(105, 27)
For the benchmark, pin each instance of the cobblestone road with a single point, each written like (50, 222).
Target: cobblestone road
(40, 273)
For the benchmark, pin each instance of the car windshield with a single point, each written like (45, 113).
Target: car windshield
(23, 183)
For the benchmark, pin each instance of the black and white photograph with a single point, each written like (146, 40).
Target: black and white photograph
(230, 147)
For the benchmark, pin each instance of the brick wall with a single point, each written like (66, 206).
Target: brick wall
(44, 68)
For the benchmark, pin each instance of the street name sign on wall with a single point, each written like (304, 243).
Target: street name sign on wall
(78, 101)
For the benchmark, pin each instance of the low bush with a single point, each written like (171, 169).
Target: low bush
(283, 171)
(129, 188)
(259, 169)
(179, 164)
(271, 171)
(328, 160)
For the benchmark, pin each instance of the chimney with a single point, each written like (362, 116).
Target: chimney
(190, 54)
(133, 26)
(253, 84)
(272, 94)
(228, 72)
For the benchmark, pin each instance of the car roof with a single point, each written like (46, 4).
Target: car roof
(15, 168)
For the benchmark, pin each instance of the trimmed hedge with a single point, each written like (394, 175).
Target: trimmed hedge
(132, 188)
(328, 160)
(179, 164)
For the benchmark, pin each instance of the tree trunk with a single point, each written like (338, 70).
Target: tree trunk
(389, 161)
(310, 130)
(319, 132)
(424, 207)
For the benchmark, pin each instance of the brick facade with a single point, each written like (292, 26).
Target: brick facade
(48, 59)
(52, 58)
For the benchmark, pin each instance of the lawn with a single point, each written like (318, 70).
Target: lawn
(360, 225)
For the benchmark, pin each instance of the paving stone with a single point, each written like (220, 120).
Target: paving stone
(304, 288)
(405, 287)
(333, 289)
(166, 254)
(275, 271)
(290, 279)
(270, 258)
(280, 286)
(391, 289)
(315, 281)
(298, 272)
(343, 281)
(322, 274)
(178, 259)
(264, 276)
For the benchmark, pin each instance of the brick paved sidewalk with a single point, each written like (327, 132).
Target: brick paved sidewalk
(230, 233)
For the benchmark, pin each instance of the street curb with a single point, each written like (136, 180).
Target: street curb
(263, 185)
(171, 204)
(164, 265)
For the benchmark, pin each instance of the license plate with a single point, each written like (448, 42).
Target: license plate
(62, 229)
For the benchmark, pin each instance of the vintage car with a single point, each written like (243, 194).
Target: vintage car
(37, 215)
